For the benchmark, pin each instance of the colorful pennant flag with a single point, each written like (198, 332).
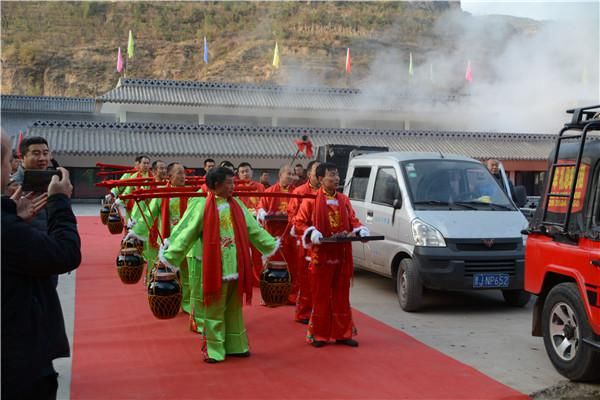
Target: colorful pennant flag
(119, 61)
(276, 60)
(130, 46)
(205, 51)
(410, 65)
(469, 72)
(348, 62)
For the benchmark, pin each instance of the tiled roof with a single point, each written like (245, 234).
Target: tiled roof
(46, 104)
(202, 93)
(85, 138)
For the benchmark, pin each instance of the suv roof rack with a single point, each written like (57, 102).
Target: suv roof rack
(582, 116)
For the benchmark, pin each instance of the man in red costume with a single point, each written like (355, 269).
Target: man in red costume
(244, 172)
(304, 298)
(273, 207)
(300, 174)
(331, 267)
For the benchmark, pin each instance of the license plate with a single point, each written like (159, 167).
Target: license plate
(490, 280)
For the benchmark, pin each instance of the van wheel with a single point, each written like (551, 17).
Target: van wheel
(408, 286)
(564, 324)
(516, 298)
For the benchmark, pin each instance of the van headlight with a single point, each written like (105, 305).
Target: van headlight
(426, 235)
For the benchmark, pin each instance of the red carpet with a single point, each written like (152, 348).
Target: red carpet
(121, 351)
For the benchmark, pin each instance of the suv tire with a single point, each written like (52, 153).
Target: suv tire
(516, 298)
(576, 360)
(408, 286)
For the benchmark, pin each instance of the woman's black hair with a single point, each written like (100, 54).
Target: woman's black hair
(217, 176)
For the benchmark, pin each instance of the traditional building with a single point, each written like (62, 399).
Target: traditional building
(189, 121)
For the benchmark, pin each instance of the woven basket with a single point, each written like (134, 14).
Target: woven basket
(115, 226)
(130, 275)
(275, 294)
(128, 271)
(165, 307)
(104, 215)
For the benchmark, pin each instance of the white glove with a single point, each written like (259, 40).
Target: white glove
(363, 232)
(130, 235)
(316, 236)
(260, 215)
(131, 223)
(109, 197)
(163, 247)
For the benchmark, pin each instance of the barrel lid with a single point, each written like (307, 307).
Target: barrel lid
(129, 250)
(277, 264)
(165, 275)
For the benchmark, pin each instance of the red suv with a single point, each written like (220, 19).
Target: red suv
(562, 255)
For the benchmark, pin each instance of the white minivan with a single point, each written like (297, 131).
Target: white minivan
(447, 225)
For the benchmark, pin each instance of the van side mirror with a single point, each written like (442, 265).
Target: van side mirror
(396, 205)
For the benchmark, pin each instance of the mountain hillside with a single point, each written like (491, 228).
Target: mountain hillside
(70, 48)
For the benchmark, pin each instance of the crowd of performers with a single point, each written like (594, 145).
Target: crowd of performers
(220, 244)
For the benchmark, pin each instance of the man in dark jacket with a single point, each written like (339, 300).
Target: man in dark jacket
(33, 329)
(36, 156)
(494, 167)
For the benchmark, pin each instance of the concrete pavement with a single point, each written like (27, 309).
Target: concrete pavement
(476, 328)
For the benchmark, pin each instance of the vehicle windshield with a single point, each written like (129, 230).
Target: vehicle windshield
(453, 185)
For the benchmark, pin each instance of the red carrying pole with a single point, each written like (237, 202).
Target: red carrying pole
(159, 194)
(113, 166)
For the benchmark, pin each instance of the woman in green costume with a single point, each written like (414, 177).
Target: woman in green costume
(218, 230)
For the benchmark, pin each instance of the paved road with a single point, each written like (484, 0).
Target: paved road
(476, 328)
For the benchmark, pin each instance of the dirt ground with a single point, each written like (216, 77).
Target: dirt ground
(569, 391)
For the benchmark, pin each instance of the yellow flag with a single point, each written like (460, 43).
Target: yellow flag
(276, 60)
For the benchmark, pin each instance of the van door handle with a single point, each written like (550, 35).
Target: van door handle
(596, 263)
(370, 213)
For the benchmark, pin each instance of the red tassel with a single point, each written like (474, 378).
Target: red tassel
(309, 149)
(153, 235)
(19, 144)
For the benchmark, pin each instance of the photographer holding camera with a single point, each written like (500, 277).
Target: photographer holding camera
(33, 330)
(35, 155)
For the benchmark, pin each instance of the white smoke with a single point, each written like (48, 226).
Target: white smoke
(525, 73)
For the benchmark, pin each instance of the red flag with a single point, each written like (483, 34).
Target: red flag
(469, 73)
(348, 61)
(19, 144)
